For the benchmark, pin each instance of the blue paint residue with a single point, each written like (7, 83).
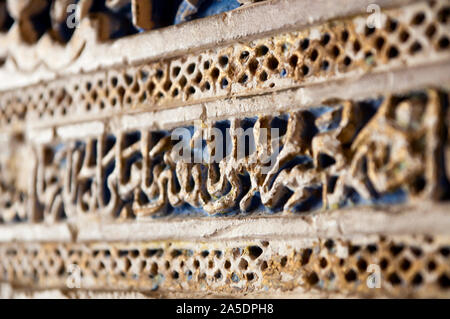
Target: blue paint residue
(189, 10)
(163, 13)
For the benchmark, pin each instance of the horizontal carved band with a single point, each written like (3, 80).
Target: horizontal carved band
(412, 35)
(371, 266)
(384, 150)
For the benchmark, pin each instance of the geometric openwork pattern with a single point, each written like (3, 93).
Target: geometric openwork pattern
(333, 50)
(411, 267)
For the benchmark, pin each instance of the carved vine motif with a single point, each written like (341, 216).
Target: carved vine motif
(369, 152)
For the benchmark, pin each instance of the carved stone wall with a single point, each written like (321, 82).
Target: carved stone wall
(315, 149)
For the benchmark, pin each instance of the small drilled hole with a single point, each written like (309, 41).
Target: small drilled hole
(361, 264)
(191, 68)
(224, 83)
(379, 43)
(182, 82)
(261, 50)
(215, 73)
(293, 61)
(264, 265)
(272, 63)
(353, 249)
(154, 269)
(254, 252)
(263, 76)
(206, 86)
(347, 61)
(253, 66)
(335, 51)
(415, 47)
(372, 248)
(369, 31)
(417, 280)
(418, 19)
(143, 97)
(404, 36)
(350, 275)
(151, 87)
(405, 264)
(312, 279)
(198, 78)
(444, 281)
(243, 264)
(243, 78)
(384, 263)
(394, 279)
(304, 44)
(223, 61)
(325, 39)
(167, 85)
(143, 75)
(128, 79)
(392, 52)
(306, 254)
(344, 35)
(356, 46)
(443, 42)
(430, 31)
(416, 251)
(329, 244)
(175, 71)
(244, 55)
(175, 253)
(396, 249)
(444, 14)
(391, 25)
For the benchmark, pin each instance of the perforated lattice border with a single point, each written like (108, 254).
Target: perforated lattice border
(413, 266)
(410, 35)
